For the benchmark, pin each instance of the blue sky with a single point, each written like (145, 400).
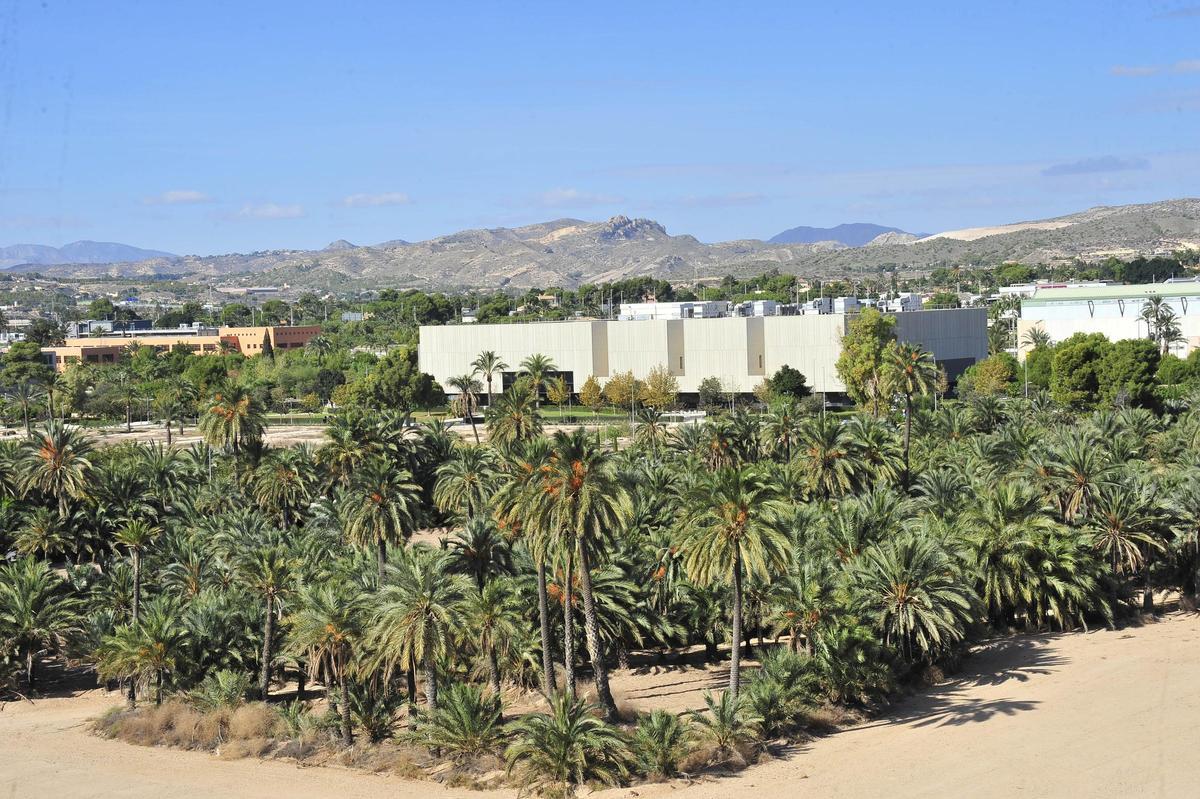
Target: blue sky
(208, 127)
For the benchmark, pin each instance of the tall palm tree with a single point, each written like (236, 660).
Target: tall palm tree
(382, 508)
(37, 613)
(910, 371)
(344, 450)
(480, 551)
(1124, 523)
(233, 419)
(468, 398)
(135, 536)
(417, 610)
(539, 368)
(489, 364)
(127, 389)
(1079, 472)
(319, 346)
(514, 509)
(43, 532)
(267, 571)
(26, 393)
(174, 401)
(325, 627)
(56, 461)
(733, 530)
(584, 501)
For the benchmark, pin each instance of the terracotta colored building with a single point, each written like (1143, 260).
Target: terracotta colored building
(249, 341)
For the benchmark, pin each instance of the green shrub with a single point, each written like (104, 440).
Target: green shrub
(465, 725)
(660, 741)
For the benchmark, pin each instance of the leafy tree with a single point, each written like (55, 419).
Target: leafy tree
(622, 389)
(1075, 380)
(45, 333)
(660, 389)
(789, 383)
(1127, 373)
(994, 376)
(558, 392)
(398, 383)
(590, 394)
(710, 392)
(861, 362)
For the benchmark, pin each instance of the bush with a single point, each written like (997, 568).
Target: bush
(221, 689)
(729, 729)
(466, 724)
(660, 741)
(375, 712)
(255, 720)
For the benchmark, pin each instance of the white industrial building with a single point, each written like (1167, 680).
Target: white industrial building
(640, 311)
(740, 351)
(1113, 310)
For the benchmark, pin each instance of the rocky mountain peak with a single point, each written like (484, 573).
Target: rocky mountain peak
(622, 227)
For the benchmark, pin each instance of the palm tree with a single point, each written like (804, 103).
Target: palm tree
(733, 530)
(26, 393)
(828, 463)
(468, 398)
(1124, 523)
(728, 726)
(908, 588)
(319, 346)
(584, 501)
(651, 430)
(344, 451)
(44, 531)
(514, 418)
(514, 505)
(416, 613)
(566, 747)
(479, 550)
(128, 389)
(148, 651)
(1035, 337)
(661, 740)
(233, 419)
(781, 429)
(326, 629)
(174, 401)
(1079, 472)
(284, 483)
(136, 535)
(56, 462)
(383, 508)
(910, 371)
(539, 368)
(489, 364)
(37, 614)
(267, 571)
(492, 613)
(466, 482)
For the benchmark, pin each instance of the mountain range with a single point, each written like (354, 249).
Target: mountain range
(77, 252)
(568, 252)
(854, 234)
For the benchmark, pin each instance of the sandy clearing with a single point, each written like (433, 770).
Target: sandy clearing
(1080, 715)
(971, 234)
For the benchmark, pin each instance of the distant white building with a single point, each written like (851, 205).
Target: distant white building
(739, 351)
(639, 311)
(1112, 310)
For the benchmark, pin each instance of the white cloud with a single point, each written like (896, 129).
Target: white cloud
(1185, 67)
(575, 198)
(376, 200)
(271, 211)
(178, 197)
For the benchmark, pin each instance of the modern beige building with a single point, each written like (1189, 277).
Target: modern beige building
(739, 351)
(247, 340)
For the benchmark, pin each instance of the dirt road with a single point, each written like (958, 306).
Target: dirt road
(1079, 715)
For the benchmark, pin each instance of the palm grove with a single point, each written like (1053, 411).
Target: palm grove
(830, 558)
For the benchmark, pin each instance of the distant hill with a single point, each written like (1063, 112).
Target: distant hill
(854, 234)
(77, 252)
(568, 252)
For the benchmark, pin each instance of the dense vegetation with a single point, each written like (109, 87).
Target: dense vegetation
(850, 555)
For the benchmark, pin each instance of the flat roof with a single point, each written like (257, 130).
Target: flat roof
(1134, 292)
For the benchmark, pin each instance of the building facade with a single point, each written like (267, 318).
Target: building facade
(739, 351)
(249, 341)
(1115, 311)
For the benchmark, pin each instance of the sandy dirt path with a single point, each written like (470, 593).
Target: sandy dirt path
(1079, 715)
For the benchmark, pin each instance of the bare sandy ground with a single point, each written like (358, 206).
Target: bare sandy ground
(971, 234)
(1078, 715)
